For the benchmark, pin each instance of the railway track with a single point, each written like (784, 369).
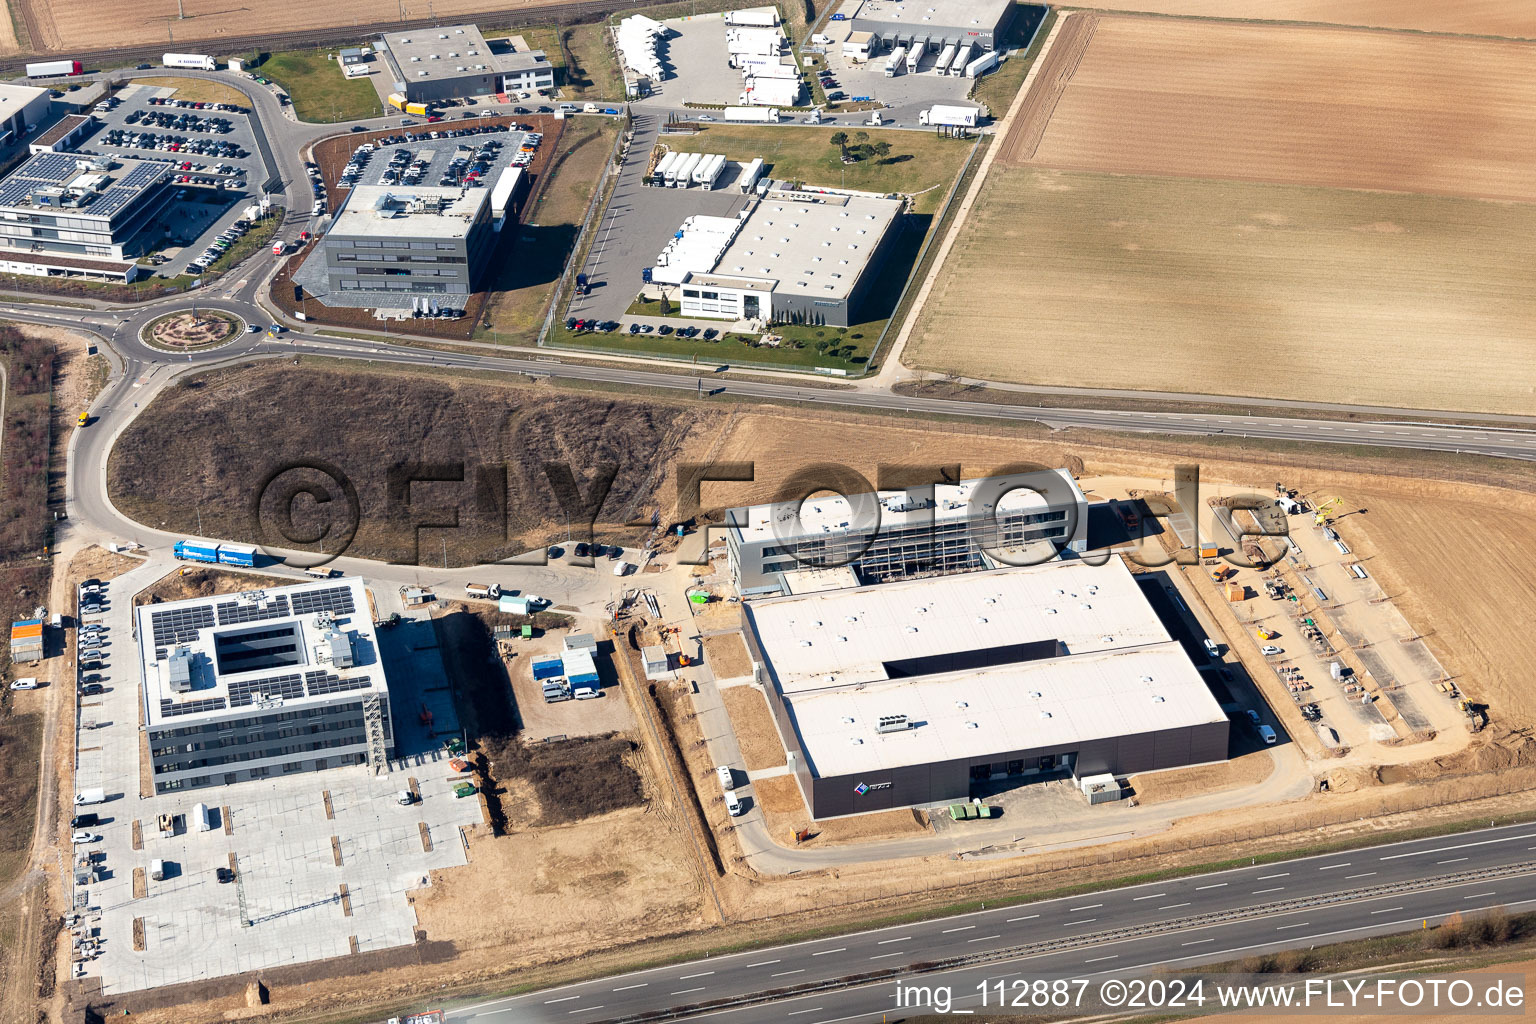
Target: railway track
(518, 17)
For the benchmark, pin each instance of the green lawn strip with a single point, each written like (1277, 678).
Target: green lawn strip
(318, 89)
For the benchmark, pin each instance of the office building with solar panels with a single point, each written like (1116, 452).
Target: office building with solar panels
(71, 215)
(262, 683)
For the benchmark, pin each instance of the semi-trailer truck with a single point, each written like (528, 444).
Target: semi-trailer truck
(213, 553)
(750, 175)
(665, 164)
(962, 58)
(945, 114)
(683, 172)
(752, 115)
(192, 61)
(981, 65)
(945, 60)
(54, 68)
(708, 171)
(896, 63)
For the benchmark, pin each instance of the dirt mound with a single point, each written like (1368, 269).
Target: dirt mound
(1497, 749)
(1350, 780)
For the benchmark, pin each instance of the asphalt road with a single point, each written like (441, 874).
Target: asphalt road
(1121, 932)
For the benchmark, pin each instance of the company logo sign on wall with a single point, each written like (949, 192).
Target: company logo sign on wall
(865, 787)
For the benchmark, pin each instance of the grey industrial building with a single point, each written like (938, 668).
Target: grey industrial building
(914, 693)
(21, 107)
(391, 244)
(798, 257)
(262, 683)
(436, 64)
(974, 524)
(932, 24)
(63, 214)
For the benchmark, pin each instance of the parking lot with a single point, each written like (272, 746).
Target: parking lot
(319, 864)
(216, 165)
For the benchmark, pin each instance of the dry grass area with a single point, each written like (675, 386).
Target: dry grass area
(101, 564)
(1514, 18)
(753, 723)
(1299, 105)
(195, 581)
(1161, 787)
(86, 24)
(1232, 288)
(727, 656)
(199, 90)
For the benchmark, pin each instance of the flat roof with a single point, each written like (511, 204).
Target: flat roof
(286, 635)
(99, 186)
(812, 243)
(968, 499)
(984, 662)
(933, 15)
(407, 211)
(453, 51)
(64, 126)
(15, 97)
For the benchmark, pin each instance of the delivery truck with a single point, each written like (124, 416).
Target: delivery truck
(752, 115)
(947, 114)
(54, 68)
(485, 590)
(190, 61)
(213, 553)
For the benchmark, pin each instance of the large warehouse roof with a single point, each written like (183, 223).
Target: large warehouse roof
(986, 662)
(925, 17)
(1035, 704)
(811, 243)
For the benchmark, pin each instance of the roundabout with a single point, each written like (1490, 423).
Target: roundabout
(192, 330)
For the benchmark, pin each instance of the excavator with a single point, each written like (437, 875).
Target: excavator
(1323, 510)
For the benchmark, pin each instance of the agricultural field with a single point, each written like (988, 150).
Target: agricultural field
(1319, 106)
(1210, 287)
(1514, 18)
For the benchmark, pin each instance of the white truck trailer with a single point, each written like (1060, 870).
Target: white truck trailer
(896, 63)
(190, 61)
(915, 54)
(947, 114)
(981, 65)
(53, 68)
(665, 164)
(709, 170)
(962, 58)
(752, 115)
(945, 60)
(750, 175)
(682, 173)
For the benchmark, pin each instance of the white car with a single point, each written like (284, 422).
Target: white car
(703, 117)
(1270, 650)
(82, 837)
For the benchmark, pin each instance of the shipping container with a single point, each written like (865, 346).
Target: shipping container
(548, 668)
(237, 554)
(750, 175)
(981, 65)
(665, 164)
(753, 115)
(54, 68)
(193, 61)
(709, 169)
(683, 172)
(196, 551)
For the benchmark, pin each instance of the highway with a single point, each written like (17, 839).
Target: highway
(1117, 932)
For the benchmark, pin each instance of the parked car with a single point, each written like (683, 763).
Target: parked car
(82, 837)
(25, 684)
(1270, 650)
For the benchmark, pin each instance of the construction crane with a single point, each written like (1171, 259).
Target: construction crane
(1325, 508)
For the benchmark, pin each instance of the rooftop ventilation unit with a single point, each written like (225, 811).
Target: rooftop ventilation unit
(893, 723)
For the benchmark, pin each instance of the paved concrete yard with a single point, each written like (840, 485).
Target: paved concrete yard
(285, 906)
(700, 66)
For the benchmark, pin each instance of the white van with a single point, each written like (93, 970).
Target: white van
(733, 804)
(157, 870)
(727, 780)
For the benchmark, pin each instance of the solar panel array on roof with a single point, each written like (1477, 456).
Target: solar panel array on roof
(235, 612)
(322, 683)
(170, 708)
(179, 625)
(128, 181)
(337, 600)
(245, 692)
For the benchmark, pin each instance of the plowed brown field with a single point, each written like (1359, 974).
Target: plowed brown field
(1316, 106)
(1211, 287)
(66, 24)
(1515, 18)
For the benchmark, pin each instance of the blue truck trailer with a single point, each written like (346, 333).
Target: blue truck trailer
(213, 553)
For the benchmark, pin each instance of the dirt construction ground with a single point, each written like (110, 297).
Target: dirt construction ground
(1299, 105)
(1209, 287)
